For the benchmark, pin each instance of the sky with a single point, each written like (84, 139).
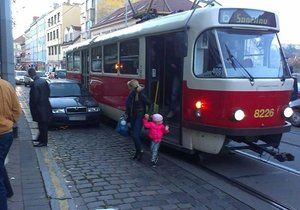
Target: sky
(286, 10)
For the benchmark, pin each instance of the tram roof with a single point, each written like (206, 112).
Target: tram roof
(167, 23)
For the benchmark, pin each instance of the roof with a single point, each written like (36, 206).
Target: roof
(76, 28)
(141, 6)
(71, 42)
(163, 24)
(20, 39)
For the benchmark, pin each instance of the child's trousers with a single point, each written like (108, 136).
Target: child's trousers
(154, 151)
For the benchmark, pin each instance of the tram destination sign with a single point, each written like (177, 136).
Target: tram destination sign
(247, 16)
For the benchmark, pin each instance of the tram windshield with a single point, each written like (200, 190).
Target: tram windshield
(252, 54)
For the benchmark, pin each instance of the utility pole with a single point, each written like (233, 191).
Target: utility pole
(6, 43)
(6, 48)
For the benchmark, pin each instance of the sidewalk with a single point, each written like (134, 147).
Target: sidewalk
(24, 173)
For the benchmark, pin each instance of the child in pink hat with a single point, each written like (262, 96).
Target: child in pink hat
(156, 132)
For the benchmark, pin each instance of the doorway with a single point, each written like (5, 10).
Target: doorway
(164, 74)
(85, 68)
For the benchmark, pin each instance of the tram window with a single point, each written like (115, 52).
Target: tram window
(207, 62)
(76, 59)
(70, 62)
(97, 59)
(110, 58)
(129, 56)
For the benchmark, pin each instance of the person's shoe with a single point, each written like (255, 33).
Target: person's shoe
(36, 140)
(40, 145)
(140, 155)
(134, 156)
(171, 114)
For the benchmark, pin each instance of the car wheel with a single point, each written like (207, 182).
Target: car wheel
(295, 118)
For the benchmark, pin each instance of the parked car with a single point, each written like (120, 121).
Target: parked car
(19, 77)
(60, 73)
(72, 104)
(42, 74)
(27, 80)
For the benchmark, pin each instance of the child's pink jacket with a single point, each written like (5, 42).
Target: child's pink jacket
(156, 131)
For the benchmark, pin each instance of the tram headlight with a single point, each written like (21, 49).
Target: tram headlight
(288, 112)
(239, 115)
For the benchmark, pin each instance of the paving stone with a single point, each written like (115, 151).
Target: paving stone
(129, 200)
(125, 206)
(104, 197)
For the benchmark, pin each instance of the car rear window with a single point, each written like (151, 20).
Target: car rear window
(65, 89)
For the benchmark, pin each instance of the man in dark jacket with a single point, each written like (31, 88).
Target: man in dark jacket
(40, 107)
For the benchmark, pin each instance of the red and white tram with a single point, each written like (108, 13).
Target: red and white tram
(234, 82)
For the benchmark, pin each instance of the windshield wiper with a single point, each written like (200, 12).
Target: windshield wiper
(233, 60)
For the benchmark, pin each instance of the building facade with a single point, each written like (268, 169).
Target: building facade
(19, 52)
(61, 17)
(35, 44)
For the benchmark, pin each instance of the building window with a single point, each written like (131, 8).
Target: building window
(53, 34)
(97, 59)
(51, 21)
(55, 50)
(47, 36)
(54, 19)
(110, 58)
(129, 56)
(58, 16)
(49, 51)
(58, 46)
(57, 33)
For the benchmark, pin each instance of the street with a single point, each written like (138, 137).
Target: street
(97, 171)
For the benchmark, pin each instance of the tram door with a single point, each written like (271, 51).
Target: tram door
(164, 74)
(85, 68)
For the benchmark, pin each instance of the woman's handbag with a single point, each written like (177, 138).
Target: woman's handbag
(122, 127)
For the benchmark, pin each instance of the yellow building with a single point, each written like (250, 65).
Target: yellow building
(61, 17)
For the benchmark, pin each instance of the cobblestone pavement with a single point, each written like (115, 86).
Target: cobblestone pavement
(99, 173)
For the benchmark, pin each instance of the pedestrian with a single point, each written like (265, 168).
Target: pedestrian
(137, 103)
(40, 107)
(156, 131)
(10, 111)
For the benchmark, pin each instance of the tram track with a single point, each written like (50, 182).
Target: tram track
(285, 168)
(232, 181)
(276, 204)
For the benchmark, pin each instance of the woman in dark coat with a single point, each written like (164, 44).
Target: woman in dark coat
(137, 103)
